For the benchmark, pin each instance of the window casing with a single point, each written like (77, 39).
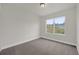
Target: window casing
(55, 25)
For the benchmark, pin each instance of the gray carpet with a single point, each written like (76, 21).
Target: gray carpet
(41, 47)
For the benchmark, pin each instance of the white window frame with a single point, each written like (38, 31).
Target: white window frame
(54, 27)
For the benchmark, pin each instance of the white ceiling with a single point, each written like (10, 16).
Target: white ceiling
(54, 7)
(35, 7)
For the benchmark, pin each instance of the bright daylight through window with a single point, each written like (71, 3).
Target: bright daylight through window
(56, 25)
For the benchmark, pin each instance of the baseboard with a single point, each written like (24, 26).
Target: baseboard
(34, 38)
(59, 41)
(12, 45)
(78, 48)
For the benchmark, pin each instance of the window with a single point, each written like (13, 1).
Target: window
(56, 25)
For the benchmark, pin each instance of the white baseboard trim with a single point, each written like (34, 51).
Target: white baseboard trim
(12, 45)
(78, 49)
(34, 38)
(59, 41)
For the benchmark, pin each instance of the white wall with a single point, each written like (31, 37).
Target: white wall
(0, 27)
(77, 27)
(17, 25)
(70, 25)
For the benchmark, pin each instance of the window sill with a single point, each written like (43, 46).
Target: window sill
(56, 34)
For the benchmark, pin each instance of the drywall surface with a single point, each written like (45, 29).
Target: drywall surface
(0, 27)
(77, 27)
(17, 25)
(70, 27)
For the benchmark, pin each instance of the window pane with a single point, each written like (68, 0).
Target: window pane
(49, 25)
(59, 24)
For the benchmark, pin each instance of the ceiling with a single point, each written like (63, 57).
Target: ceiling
(35, 7)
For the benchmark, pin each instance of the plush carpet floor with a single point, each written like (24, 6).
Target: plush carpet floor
(41, 47)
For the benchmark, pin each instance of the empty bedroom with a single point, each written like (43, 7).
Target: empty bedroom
(39, 28)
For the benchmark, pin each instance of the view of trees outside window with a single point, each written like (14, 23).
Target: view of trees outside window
(50, 26)
(56, 25)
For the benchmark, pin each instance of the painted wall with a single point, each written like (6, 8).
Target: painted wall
(17, 25)
(70, 24)
(0, 27)
(77, 12)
